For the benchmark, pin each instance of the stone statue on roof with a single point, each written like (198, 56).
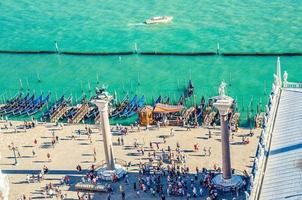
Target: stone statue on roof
(285, 76)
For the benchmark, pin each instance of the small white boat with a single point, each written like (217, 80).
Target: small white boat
(159, 19)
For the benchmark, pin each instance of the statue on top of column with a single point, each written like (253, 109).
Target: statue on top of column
(103, 94)
(285, 76)
(221, 89)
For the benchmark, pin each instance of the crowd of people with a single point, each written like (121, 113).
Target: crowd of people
(164, 174)
(161, 182)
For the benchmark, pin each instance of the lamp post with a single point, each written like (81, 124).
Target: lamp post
(15, 156)
(13, 148)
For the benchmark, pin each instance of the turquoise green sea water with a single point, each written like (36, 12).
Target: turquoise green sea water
(241, 26)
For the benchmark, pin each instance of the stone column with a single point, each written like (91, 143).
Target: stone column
(105, 130)
(4, 186)
(223, 106)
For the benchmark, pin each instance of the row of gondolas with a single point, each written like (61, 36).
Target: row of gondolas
(24, 105)
(29, 105)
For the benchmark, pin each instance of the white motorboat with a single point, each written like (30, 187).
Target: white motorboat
(159, 19)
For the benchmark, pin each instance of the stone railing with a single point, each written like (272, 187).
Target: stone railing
(260, 160)
(292, 84)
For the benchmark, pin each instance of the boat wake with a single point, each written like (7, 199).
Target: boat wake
(137, 24)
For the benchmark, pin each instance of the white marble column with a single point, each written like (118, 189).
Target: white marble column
(104, 127)
(223, 104)
(4, 186)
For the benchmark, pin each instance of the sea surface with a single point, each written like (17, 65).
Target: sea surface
(112, 26)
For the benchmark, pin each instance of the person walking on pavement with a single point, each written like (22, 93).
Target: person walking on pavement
(123, 195)
(209, 151)
(33, 152)
(48, 157)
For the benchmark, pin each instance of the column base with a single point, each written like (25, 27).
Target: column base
(227, 184)
(107, 175)
(4, 186)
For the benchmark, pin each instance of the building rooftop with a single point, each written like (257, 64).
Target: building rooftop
(283, 175)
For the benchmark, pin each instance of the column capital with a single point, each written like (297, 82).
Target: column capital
(223, 105)
(101, 104)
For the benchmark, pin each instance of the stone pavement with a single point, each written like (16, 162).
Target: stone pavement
(70, 151)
